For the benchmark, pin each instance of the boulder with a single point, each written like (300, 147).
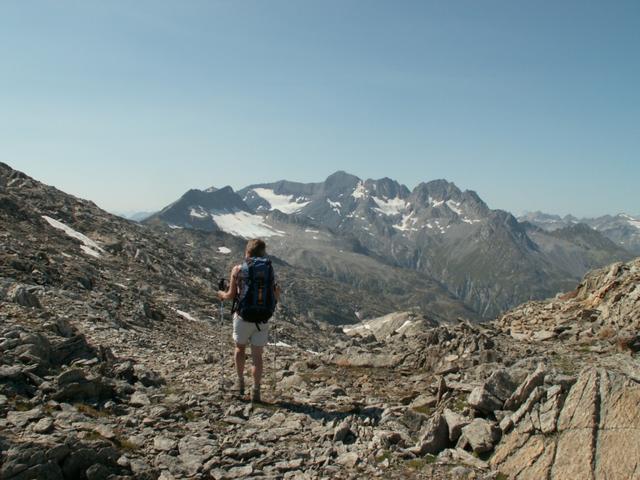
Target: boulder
(455, 423)
(479, 436)
(434, 437)
(23, 295)
(523, 391)
(482, 400)
(493, 393)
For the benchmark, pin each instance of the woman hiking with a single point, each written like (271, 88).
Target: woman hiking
(253, 287)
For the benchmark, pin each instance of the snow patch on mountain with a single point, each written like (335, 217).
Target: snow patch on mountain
(336, 206)
(435, 203)
(454, 206)
(359, 191)
(407, 223)
(631, 221)
(198, 212)
(89, 246)
(224, 250)
(284, 203)
(391, 206)
(244, 224)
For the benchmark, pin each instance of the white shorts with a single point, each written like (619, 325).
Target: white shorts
(243, 332)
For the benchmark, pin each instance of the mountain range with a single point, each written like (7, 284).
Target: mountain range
(622, 229)
(379, 233)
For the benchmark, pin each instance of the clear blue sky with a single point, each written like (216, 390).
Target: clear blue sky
(533, 104)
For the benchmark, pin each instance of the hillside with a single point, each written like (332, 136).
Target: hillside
(111, 368)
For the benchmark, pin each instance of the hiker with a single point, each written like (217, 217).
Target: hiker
(255, 292)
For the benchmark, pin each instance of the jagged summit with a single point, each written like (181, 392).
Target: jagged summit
(485, 257)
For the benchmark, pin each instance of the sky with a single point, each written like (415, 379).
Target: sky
(535, 105)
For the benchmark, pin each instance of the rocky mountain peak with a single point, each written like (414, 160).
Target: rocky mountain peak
(386, 188)
(435, 193)
(340, 182)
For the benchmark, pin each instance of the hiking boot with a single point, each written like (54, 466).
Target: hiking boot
(255, 395)
(239, 388)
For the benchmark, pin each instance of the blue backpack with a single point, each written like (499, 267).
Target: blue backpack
(259, 302)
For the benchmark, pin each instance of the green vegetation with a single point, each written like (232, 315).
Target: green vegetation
(22, 406)
(90, 411)
(425, 410)
(420, 463)
(459, 404)
(126, 444)
(191, 416)
(92, 436)
(386, 455)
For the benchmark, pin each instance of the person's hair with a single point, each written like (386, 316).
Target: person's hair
(255, 248)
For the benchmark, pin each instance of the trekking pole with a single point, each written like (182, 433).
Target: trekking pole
(222, 285)
(275, 351)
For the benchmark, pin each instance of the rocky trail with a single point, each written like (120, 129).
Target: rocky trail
(110, 368)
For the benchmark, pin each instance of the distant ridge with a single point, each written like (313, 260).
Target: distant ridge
(486, 258)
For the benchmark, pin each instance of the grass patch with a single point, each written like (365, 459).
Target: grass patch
(92, 436)
(459, 404)
(386, 455)
(425, 410)
(265, 406)
(125, 444)
(90, 411)
(22, 406)
(170, 390)
(191, 416)
(420, 463)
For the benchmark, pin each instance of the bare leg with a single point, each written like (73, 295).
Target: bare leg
(240, 358)
(256, 356)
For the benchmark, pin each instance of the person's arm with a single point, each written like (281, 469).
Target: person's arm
(231, 291)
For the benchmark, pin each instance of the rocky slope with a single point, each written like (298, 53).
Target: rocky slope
(110, 368)
(484, 257)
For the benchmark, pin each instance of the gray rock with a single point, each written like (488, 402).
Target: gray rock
(342, 431)
(527, 406)
(11, 372)
(21, 419)
(98, 472)
(480, 436)
(77, 387)
(164, 444)
(523, 391)
(500, 384)
(455, 423)
(434, 438)
(424, 400)
(245, 452)
(458, 455)
(22, 295)
(348, 459)
(139, 399)
(44, 425)
(483, 400)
